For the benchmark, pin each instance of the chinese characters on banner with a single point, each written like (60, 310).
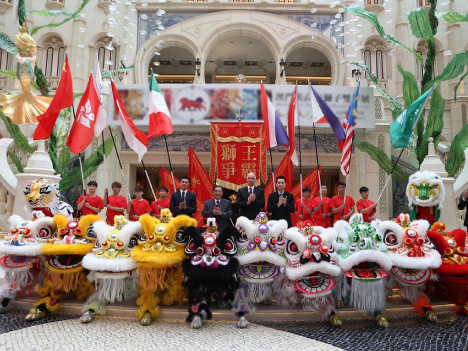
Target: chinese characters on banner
(237, 149)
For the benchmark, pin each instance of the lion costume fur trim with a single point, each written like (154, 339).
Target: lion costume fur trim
(63, 249)
(87, 220)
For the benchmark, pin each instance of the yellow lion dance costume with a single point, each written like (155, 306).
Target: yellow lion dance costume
(159, 254)
(64, 254)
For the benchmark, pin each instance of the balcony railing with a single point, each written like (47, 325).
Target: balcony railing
(53, 82)
(55, 4)
(374, 5)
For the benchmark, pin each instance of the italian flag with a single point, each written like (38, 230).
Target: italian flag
(136, 139)
(159, 117)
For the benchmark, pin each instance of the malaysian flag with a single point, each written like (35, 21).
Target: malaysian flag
(349, 131)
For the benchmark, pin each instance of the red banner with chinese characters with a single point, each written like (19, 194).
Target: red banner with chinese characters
(237, 149)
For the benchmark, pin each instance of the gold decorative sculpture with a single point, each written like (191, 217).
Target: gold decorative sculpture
(24, 107)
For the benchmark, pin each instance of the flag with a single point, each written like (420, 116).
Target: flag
(292, 122)
(285, 169)
(274, 130)
(317, 114)
(166, 180)
(159, 117)
(63, 98)
(136, 139)
(200, 184)
(349, 130)
(101, 118)
(334, 122)
(401, 129)
(82, 132)
(311, 180)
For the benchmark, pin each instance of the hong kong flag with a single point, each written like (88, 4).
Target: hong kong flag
(82, 131)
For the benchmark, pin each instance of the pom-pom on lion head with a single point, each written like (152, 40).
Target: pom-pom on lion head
(425, 189)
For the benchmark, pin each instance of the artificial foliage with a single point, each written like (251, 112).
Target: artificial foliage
(424, 24)
(58, 150)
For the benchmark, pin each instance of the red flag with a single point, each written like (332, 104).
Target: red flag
(200, 184)
(312, 181)
(82, 131)
(166, 180)
(285, 169)
(292, 123)
(63, 98)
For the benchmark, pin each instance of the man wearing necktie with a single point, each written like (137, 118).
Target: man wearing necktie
(183, 201)
(218, 208)
(281, 203)
(250, 199)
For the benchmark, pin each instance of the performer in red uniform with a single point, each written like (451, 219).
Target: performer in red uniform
(93, 204)
(338, 204)
(116, 204)
(322, 210)
(163, 202)
(365, 206)
(304, 209)
(138, 206)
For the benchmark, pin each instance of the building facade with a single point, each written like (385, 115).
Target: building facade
(274, 41)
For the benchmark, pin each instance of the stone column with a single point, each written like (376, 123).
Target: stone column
(449, 209)
(3, 191)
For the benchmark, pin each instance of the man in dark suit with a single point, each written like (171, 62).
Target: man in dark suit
(464, 204)
(251, 199)
(183, 201)
(281, 203)
(218, 208)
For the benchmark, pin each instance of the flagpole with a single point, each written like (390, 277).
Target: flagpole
(149, 181)
(123, 173)
(315, 143)
(82, 178)
(170, 164)
(272, 172)
(105, 164)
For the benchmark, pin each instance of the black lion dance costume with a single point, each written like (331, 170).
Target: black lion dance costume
(22, 262)
(311, 268)
(110, 266)
(260, 251)
(64, 254)
(210, 269)
(159, 255)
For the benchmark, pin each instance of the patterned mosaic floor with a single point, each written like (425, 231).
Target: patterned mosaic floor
(65, 332)
(104, 333)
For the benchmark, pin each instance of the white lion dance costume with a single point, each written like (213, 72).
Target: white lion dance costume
(41, 195)
(413, 257)
(426, 193)
(111, 268)
(22, 262)
(260, 251)
(311, 268)
(64, 254)
(363, 258)
(210, 269)
(159, 256)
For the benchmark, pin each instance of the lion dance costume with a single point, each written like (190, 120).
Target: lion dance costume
(426, 193)
(210, 269)
(22, 262)
(363, 258)
(64, 254)
(452, 284)
(312, 266)
(260, 251)
(110, 266)
(413, 257)
(159, 256)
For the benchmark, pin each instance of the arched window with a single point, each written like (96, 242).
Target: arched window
(419, 66)
(5, 60)
(379, 65)
(464, 116)
(53, 57)
(105, 56)
(368, 61)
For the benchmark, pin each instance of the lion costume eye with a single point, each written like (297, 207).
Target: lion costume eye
(179, 237)
(390, 238)
(45, 233)
(133, 241)
(279, 238)
(356, 238)
(243, 236)
(291, 248)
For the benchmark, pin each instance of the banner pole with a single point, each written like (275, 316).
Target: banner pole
(105, 165)
(170, 164)
(149, 181)
(272, 172)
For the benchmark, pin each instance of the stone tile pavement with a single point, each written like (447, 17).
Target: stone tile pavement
(169, 335)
